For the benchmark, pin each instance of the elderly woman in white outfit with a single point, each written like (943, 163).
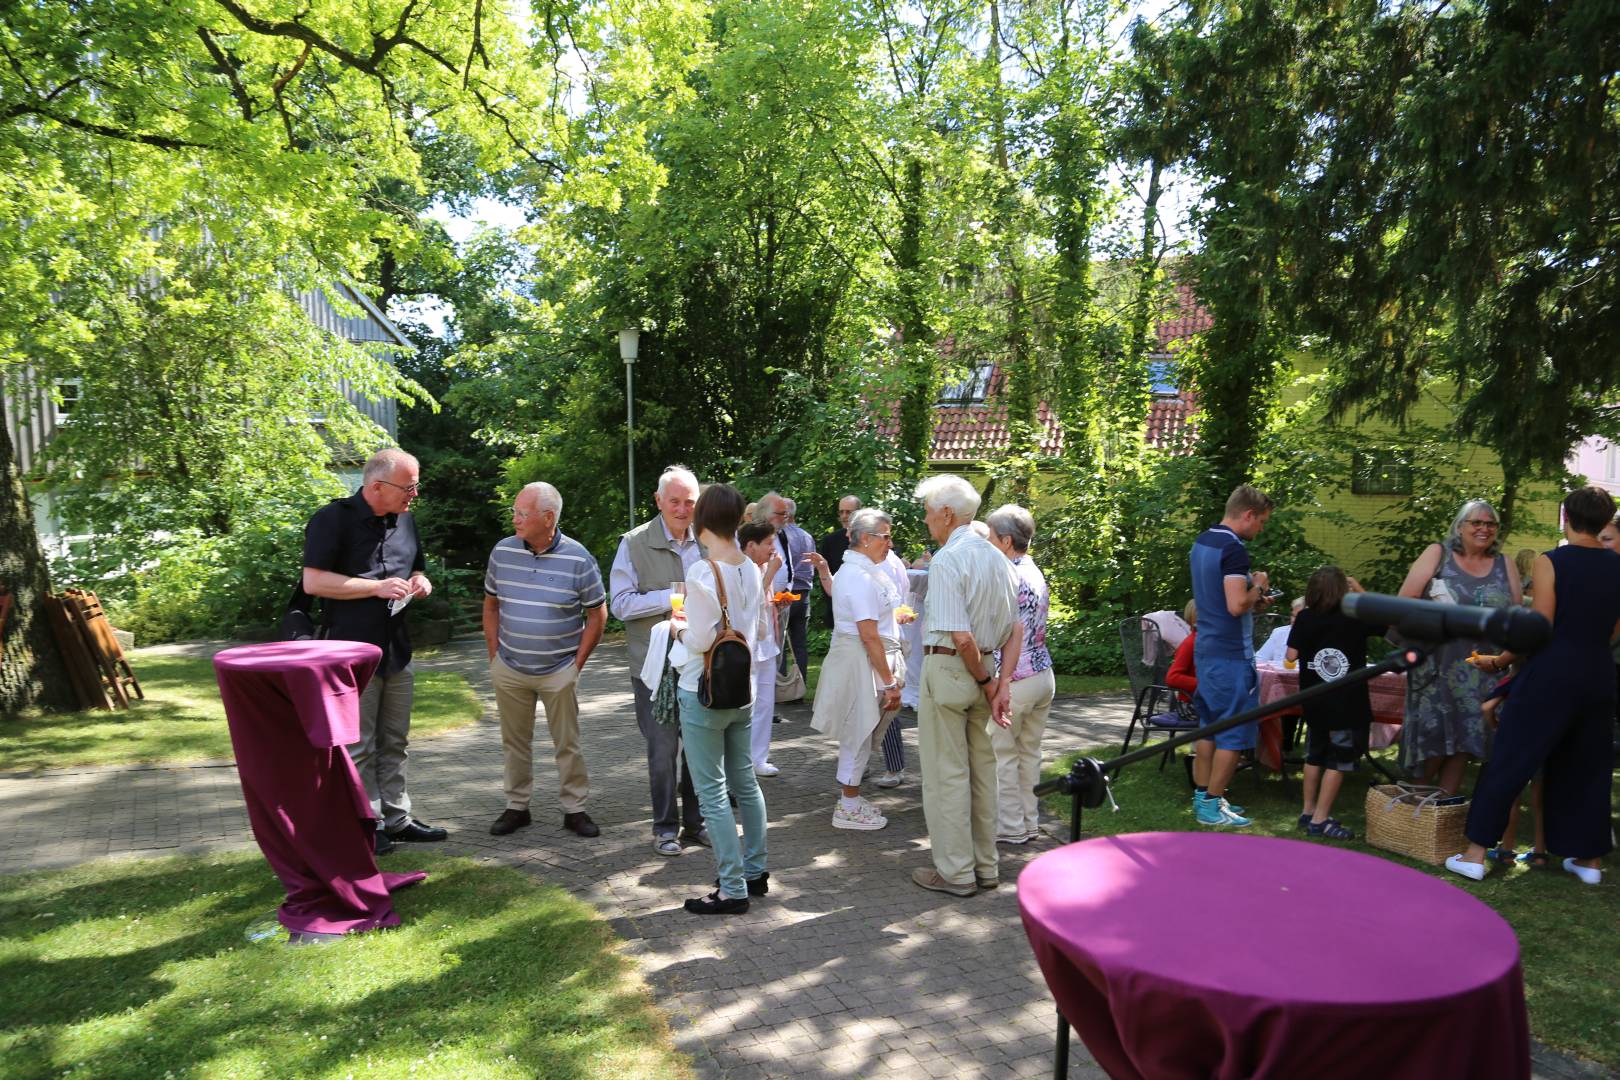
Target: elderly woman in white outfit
(858, 692)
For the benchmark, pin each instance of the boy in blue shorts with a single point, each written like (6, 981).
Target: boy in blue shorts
(1227, 591)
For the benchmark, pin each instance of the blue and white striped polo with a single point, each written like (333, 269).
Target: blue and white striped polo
(543, 597)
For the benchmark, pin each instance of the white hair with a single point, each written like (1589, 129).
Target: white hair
(1454, 539)
(677, 472)
(846, 498)
(952, 493)
(546, 497)
(383, 463)
(865, 522)
(1012, 522)
(762, 509)
(980, 529)
(791, 506)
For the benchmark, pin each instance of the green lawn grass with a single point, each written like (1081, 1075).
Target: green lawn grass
(182, 720)
(1567, 931)
(139, 969)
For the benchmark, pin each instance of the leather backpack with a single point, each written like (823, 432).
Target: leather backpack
(727, 681)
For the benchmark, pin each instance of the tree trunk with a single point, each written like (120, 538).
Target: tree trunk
(31, 671)
(916, 337)
(1018, 390)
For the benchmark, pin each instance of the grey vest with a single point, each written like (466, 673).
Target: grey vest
(657, 566)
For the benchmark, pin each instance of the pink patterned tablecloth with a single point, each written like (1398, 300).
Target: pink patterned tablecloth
(1388, 693)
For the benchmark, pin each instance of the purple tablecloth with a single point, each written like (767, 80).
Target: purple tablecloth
(292, 708)
(1214, 955)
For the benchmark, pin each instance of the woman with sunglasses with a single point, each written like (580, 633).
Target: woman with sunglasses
(858, 692)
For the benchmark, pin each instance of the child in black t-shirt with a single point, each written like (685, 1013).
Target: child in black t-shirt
(1330, 645)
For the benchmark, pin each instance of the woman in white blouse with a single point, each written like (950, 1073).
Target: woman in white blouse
(858, 692)
(718, 754)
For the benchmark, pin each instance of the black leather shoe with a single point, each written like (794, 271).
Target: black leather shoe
(381, 845)
(414, 832)
(757, 886)
(715, 904)
(510, 821)
(581, 824)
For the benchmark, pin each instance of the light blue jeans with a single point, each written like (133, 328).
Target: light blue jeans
(718, 757)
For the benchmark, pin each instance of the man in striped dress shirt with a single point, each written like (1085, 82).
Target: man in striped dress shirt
(544, 612)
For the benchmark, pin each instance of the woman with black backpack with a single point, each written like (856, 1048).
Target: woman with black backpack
(716, 693)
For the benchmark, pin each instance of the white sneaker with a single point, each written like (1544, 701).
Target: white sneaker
(1474, 871)
(865, 816)
(766, 769)
(1014, 838)
(1589, 875)
(891, 779)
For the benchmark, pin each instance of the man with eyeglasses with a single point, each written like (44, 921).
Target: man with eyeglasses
(363, 556)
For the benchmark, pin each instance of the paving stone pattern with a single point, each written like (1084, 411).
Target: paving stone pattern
(846, 969)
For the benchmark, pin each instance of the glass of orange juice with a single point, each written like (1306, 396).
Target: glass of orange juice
(677, 598)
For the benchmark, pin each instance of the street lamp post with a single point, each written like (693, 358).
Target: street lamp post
(629, 345)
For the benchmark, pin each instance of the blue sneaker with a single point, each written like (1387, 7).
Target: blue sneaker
(1216, 812)
(1199, 799)
(1236, 809)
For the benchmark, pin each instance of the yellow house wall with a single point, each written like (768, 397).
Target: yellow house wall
(1351, 544)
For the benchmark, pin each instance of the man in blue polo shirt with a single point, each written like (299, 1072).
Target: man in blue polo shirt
(544, 612)
(1227, 592)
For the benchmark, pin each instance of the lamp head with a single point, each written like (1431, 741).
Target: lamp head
(629, 343)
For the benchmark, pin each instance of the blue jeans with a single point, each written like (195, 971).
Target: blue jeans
(718, 757)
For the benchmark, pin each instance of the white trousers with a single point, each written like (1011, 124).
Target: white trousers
(759, 734)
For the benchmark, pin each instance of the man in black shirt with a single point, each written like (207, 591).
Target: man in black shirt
(835, 543)
(362, 554)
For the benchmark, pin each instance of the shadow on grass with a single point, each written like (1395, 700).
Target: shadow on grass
(181, 720)
(133, 969)
(1566, 931)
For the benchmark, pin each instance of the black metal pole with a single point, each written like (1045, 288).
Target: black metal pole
(1087, 779)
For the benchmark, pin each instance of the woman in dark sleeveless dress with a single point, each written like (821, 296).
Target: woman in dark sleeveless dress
(1560, 712)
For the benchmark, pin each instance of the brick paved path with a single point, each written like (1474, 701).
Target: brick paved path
(845, 970)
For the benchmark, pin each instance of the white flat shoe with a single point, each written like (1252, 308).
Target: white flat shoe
(1589, 875)
(1474, 870)
(766, 769)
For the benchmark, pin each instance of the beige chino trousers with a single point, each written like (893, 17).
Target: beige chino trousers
(958, 771)
(516, 696)
(1018, 754)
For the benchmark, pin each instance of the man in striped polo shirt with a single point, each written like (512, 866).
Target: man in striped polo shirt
(544, 611)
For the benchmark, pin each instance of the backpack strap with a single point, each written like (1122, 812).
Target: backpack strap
(720, 588)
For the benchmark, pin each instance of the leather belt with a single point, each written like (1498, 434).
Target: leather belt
(939, 650)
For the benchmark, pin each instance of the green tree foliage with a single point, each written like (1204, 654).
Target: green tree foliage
(169, 173)
(1458, 220)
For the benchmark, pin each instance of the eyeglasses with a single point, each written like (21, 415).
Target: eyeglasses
(1481, 524)
(413, 489)
(887, 538)
(522, 515)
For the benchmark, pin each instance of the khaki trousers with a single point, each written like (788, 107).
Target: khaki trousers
(1018, 755)
(516, 695)
(958, 772)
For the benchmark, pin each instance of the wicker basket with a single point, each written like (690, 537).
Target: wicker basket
(1404, 819)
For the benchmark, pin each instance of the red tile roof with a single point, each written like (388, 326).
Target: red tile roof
(972, 432)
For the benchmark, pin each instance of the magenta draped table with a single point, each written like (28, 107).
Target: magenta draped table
(293, 707)
(1183, 955)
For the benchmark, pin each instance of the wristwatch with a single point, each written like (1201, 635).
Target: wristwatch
(984, 681)
(895, 685)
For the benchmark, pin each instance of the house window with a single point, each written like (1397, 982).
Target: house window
(971, 389)
(1380, 472)
(68, 392)
(1162, 375)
